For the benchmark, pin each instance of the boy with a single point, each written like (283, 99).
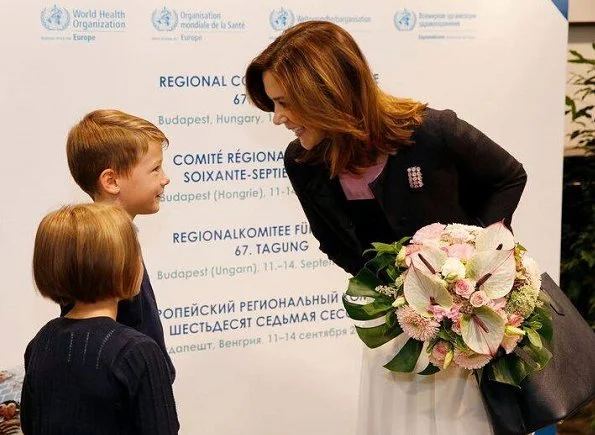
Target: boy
(117, 158)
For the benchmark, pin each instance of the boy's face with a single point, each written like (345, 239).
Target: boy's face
(140, 192)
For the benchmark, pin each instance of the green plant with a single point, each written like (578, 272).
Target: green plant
(578, 215)
(583, 135)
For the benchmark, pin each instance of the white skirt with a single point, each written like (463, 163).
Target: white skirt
(447, 403)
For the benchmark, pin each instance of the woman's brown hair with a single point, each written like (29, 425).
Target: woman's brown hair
(87, 253)
(330, 87)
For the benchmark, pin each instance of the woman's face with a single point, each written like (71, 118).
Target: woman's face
(309, 137)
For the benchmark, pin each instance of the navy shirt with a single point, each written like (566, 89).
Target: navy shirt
(96, 377)
(141, 314)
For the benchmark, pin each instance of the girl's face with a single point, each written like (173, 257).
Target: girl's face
(309, 137)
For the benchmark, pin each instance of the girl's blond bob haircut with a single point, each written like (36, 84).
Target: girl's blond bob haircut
(87, 253)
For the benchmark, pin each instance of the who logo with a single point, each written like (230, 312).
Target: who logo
(281, 19)
(55, 18)
(164, 19)
(405, 20)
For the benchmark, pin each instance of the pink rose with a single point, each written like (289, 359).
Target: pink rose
(438, 353)
(428, 233)
(498, 304)
(462, 251)
(464, 287)
(515, 320)
(509, 342)
(456, 325)
(479, 299)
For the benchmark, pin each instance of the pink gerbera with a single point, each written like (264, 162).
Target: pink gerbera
(470, 360)
(415, 325)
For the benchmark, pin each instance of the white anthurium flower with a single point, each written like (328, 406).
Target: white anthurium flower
(496, 236)
(494, 272)
(429, 259)
(422, 289)
(483, 330)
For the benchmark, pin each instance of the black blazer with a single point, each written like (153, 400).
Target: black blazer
(467, 178)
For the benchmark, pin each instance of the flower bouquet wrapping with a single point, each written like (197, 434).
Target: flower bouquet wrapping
(464, 295)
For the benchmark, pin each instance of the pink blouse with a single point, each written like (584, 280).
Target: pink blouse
(355, 186)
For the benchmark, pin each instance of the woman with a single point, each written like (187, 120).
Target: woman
(367, 166)
(84, 372)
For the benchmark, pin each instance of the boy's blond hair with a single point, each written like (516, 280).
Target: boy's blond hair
(87, 253)
(108, 139)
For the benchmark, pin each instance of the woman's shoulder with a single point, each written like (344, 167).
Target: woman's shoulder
(298, 171)
(435, 126)
(436, 119)
(293, 151)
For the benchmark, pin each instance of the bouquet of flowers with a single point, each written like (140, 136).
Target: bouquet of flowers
(464, 295)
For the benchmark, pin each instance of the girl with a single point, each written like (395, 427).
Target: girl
(84, 372)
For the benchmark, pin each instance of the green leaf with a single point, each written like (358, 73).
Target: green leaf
(584, 112)
(576, 54)
(392, 272)
(378, 335)
(570, 102)
(444, 335)
(578, 58)
(429, 370)
(391, 319)
(539, 356)
(533, 337)
(509, 369)
(421, 290)
(483, 331)
(533, 325)
(407, 357)
(542, 315)
(383, 248)
(498, 266)
(381, 261)
(378, 308)
(363, 284)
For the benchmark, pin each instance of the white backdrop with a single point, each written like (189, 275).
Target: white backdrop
(258, 336)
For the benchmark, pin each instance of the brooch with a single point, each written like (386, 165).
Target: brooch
(415, 179)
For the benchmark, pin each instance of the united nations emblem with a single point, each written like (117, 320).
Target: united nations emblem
(405, 20)
(55, 18)
(165, 20)
(281, 19)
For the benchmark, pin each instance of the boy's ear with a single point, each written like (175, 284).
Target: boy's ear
(108, 182)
